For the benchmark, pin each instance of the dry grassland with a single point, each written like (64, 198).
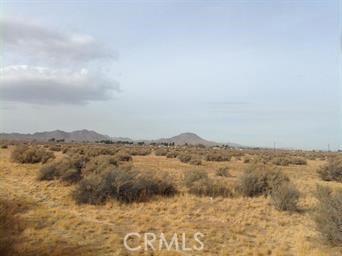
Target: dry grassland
(55, 225)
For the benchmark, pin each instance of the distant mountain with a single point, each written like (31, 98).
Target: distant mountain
(81, 135)
(187, 138)
(92, 136)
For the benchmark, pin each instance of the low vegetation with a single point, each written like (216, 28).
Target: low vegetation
(328, 215)
(285, 161)
(31, 154)
(218, 156)
(223, 172)
(285, 197)
(332, 171)
(260, 179)
(199, 183)
(126, 186)
(10, 227)
(67, 169)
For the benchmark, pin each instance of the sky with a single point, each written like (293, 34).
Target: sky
(248, 72)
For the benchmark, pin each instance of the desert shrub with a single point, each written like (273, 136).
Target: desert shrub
(144, 187)
(282, 161)
(172, 154)
(287, 160)
(92, 190)
(26, 154)
(10, 226)
(67, 168)
(246, 160)
(184, 158)
(55, 147)
(97, 150)
(328, 215)
(194, 175)
(71, 175)
(195, 161)
(209, 187)
(123, 156)
(223, 172)
(4, 146)
(122, 185)
(100, 164)
(298, 161)
(285, 197)
(259, 179)
(217, 156)
(161, 152)
(48, 172)
(198, 183)
(332, 171)
(140, 151)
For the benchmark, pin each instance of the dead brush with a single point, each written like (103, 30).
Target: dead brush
(161, 151)
(126, 186)
(31, 154)
(332, 171)
(328, 215)
(184, 157)
(218, 156)
(67, 169)
(260, 179)
(10, 226)
(223, 172)
(285, 197)
(199, 183)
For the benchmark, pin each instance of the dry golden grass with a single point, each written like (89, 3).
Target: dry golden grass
(55, 225)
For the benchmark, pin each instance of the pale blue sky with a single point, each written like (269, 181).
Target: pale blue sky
(249, 72)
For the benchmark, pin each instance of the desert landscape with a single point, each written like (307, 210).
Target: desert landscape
(243, 201)
(170, 127)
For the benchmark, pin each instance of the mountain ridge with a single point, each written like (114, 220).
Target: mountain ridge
(92, 136)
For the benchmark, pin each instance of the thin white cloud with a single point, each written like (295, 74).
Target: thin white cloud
(38, 41)
(41, 85)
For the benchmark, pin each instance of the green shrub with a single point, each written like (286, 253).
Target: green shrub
(332, 171)
(285, 197)
(328, 215)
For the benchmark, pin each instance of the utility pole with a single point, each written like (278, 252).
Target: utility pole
(328, 147)
(274, 146)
